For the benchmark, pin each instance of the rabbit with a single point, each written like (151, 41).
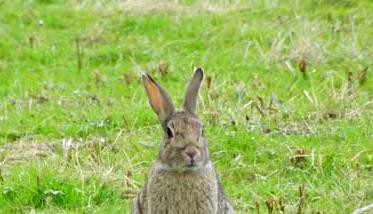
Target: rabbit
(183, 178)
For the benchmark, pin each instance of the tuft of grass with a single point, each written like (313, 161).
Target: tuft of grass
(287, 103)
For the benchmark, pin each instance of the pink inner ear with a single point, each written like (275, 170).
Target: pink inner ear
(154, 96)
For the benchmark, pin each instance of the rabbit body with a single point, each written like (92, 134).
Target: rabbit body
(193, 192)
(183, 179)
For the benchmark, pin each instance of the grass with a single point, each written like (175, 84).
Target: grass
(80, 137)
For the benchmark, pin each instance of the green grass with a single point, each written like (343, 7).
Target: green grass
(259, 112)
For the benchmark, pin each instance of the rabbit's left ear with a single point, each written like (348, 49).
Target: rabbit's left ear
(191, 96)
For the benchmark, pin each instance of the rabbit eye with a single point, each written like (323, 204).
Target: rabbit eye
(169, 132)
(203, 131)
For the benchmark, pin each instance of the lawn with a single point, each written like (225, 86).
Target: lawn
(287, 101)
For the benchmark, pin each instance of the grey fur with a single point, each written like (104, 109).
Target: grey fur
(183, 179)
(191, 96)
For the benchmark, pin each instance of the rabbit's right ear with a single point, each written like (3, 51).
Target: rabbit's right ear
(159, 100)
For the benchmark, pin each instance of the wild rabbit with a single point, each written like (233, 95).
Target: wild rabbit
(183, 179)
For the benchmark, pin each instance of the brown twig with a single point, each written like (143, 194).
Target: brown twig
(209, 82)
(363, 76)
(282, 205)
(302, 65)
(349, 79)
(257, 207)
(302, 198)
(270, 205)
(31, 41)
(79, 54)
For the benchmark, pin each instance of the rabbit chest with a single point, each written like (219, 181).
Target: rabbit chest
(182, 193)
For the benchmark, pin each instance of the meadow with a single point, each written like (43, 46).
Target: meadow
(287, 101)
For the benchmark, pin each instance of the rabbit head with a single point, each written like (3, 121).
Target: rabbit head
(184, 147)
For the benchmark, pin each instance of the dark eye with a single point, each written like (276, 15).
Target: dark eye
(169, 132)
(203, 131)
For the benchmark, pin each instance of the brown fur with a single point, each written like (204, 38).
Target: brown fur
(187, 192)
(183, 179)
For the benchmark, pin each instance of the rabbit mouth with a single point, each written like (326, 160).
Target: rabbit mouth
(191, 164)
(182, 166)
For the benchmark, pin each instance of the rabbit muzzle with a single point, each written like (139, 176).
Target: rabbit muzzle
(191, 156)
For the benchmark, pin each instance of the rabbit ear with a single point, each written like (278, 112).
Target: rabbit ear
(159, 100)
(191, 96)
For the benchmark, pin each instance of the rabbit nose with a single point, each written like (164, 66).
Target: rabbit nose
(191, 153)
